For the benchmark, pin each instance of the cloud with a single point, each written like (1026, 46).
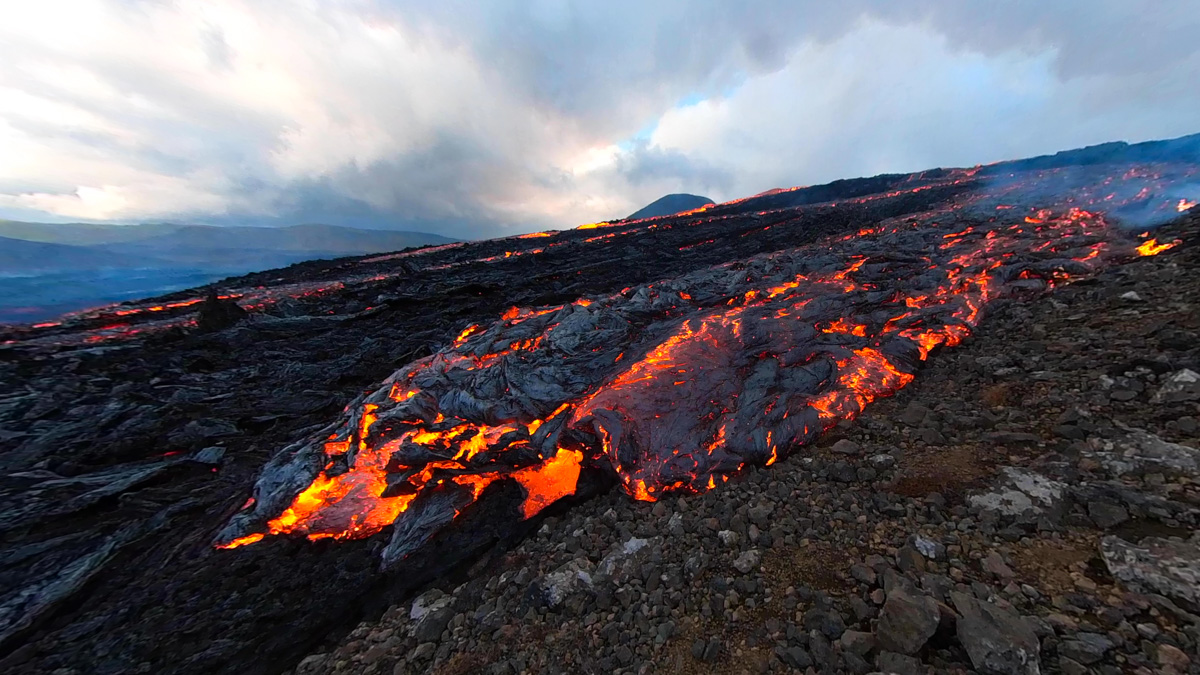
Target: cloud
(489, 118)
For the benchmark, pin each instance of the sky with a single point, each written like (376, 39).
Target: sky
(498, 117)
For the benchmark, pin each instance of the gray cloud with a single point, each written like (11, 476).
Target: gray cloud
(486, 118)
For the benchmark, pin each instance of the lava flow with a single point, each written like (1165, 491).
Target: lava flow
(677, 385)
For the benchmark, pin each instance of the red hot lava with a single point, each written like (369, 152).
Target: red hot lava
(674, 385)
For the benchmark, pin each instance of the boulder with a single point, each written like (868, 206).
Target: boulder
(1165, 566)
(908, 619)
(998, 641)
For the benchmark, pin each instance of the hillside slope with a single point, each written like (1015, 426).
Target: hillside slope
(23, 257)
(670, 205)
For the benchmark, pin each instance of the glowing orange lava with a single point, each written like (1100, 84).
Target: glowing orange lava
(1152, 247)
(687, 391)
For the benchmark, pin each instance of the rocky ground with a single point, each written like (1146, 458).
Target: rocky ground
(1029, 503)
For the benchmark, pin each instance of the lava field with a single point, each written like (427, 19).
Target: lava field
(205, 489)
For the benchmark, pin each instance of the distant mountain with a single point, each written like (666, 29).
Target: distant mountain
(81, 234)
(266, 247)
(670, 204)
(46, 269)
(33, 257)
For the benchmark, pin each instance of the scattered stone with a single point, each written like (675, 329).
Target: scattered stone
(1020, 491)
(933, 550)
(1173, 658)
(907, 621)
(216, 314)
(846, 447)
(998, 641)
(747, 561)
(1181, 386)
(857, 642)
(1106, 515)
(796, 657)
(897, 664)
(994, 565)
(1085, 648)
(910, 559)
(211, 455)
(1140, 453)
(572, 577)
(863, 573)
(1156, 565)
(826, 622)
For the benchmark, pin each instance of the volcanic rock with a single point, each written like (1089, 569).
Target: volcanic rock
(998, 641)
(857, 642)
(907, 621)
(1085, 648)
(1138, 452)
(1106, 515)
(1019, 492)
(897, 664)
(216, 314)
(747, 561)
(1156, 565)
(571, 578)
(1183, 385)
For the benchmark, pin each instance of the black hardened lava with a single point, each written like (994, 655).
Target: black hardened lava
(76, 404)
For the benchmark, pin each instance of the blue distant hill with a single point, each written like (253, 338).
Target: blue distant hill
(670, 204)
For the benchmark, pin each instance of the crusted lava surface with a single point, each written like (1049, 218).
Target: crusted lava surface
(136, 436)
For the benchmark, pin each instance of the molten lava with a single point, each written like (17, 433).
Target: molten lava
(1185, 205)
(733, 365)
(1152, 247)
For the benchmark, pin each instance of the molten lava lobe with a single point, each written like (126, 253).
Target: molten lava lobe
(1152, 247)
(677, 385)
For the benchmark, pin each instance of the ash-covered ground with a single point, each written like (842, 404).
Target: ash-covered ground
(131, 436)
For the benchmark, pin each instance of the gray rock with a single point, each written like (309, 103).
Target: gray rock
(863, 573)
(1180, 386)
(1139, 452)
(796, 657)
(897, 664)
(1071, 666)
(857, 642)
(1106, 515)
(907, 621)
(843, 472)
(826, 622)
(1020, 491)
(934, 550)
(882, 461)
(206, 428)
(846, 447)
(431, 625)
(423, 651)
(747, 561)
(1086, 648)
(211, 455)
(1172, 658)
(624, 561)
(994, 565)
(914, 415)
(571, 577)
(910, 559)
(1168, 567)
(998, 641)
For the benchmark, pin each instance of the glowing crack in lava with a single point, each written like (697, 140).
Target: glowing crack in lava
(1185, 205)
(674, 385)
